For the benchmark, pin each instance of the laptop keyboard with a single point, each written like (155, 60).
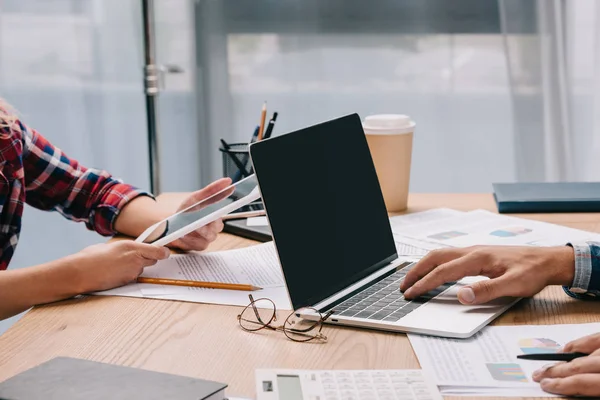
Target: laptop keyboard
(383, 301)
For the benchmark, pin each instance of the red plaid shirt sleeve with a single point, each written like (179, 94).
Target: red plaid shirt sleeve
(56, 182)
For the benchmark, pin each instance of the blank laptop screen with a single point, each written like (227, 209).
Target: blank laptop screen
(325, 207)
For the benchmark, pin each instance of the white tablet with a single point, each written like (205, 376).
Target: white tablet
(235, 201)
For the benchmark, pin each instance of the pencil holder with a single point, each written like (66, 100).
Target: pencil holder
(236, 161)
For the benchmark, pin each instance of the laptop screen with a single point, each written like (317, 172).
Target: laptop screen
(325, 207)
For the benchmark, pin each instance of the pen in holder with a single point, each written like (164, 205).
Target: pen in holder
(236, 161)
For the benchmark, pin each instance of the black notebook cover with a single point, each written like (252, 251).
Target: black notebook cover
(547, 197)
(74, 379)
(240, 227)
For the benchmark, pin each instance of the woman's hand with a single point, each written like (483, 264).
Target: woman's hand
(580, 377)
(99, 267)
(201, 238)
(106, 266)
(143, 211)
(514, 271)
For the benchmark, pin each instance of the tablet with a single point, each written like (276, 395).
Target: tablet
(235, 201)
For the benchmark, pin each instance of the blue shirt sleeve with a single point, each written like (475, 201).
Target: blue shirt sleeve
(586, 283)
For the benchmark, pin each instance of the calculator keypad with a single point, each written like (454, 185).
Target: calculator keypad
(376, 385)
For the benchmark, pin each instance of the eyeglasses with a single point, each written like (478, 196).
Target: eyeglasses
(261, 313)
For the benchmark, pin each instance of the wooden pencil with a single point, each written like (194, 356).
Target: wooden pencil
(199, 284)
(263, 117)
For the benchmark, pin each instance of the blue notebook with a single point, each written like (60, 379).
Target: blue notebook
(547, 197)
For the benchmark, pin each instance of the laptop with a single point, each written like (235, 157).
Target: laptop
(334, 240)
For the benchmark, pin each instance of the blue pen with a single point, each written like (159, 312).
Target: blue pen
(254, 135)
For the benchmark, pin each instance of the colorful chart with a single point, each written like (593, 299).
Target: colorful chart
(447, 235)
(536, 346)
(510, 232)
(507, 372)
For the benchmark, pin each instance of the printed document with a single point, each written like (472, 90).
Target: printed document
(487, 364)
(256, 265)
(483, 227)
(435, 214)
(412, 247)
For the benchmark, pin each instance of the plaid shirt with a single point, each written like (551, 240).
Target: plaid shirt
(33, 171)
(586, 284)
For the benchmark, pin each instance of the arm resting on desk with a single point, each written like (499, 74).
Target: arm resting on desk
(98, 267)
(21, 289)
(586, 284)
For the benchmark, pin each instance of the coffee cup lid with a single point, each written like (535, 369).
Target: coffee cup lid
(388, 124)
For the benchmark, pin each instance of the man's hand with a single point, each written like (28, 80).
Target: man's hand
(514, 271)
(201, 238)
(580, 377)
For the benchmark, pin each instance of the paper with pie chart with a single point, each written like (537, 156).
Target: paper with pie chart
(487, 365)
(480, 227)
(538, 345)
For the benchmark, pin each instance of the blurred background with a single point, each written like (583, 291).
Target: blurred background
(501, 90)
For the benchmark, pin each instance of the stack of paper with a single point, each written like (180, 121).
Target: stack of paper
(487, 365)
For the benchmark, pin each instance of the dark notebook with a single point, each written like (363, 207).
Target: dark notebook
(240, 227)
(70, 378)
(547, 197)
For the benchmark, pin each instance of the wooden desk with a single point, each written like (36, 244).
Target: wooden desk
(205, 341)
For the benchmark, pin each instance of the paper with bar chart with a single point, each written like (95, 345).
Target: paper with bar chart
(487, 364)
(416, 248)
(480, 227)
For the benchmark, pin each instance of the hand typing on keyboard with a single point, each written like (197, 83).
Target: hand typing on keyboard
(384, 301)
(514, 271)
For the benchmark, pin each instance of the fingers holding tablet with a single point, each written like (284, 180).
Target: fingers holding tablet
(197, 212)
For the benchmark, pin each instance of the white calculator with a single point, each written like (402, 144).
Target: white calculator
(400, 384)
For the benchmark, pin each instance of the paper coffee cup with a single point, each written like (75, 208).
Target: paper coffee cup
(390, 138)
